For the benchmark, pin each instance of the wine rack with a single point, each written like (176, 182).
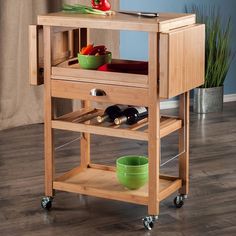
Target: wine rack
(84, 120)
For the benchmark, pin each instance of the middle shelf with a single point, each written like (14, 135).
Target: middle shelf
(84, 120)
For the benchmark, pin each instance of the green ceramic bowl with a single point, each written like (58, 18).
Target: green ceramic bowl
(132, 171)
(93, 62)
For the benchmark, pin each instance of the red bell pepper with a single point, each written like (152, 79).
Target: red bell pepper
(102, 5)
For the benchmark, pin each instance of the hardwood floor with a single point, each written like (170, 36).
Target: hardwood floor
(209, 210)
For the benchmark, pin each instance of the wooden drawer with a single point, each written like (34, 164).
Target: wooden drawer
(62, 49)
(182, 60)
(112, 93)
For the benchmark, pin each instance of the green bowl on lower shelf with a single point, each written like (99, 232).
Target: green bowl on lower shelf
(93, 62)
(132, 171)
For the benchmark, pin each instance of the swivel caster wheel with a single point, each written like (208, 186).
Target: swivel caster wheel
(179, 200)
(46, 203)
(148, 222)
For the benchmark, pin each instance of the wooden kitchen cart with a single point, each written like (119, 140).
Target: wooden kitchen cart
(175, 66)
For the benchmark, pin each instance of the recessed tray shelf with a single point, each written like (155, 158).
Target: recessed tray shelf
(101, 181)
(70, 70)
(84, 120)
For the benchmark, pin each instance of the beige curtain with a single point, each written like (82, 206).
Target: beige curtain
(20, 103)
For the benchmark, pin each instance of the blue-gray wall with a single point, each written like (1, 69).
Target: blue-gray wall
(134, 44)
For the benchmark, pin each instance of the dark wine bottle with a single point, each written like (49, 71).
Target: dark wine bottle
(132, 115)
(110, 114)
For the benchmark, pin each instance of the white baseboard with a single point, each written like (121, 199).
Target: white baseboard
(169, 105)
(230, 98)
(175, 104)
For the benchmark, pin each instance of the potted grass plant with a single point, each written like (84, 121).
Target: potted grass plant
(218, 57)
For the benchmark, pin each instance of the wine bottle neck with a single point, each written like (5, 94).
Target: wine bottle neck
(102, 118)
(120, 120)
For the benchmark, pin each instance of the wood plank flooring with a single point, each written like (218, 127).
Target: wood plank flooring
(210, 209)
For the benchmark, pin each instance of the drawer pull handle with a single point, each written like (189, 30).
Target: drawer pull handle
(97, 92)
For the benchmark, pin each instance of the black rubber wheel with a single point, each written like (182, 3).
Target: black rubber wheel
(46, 203)
(178, 201)
(151, 225)
(148, 223)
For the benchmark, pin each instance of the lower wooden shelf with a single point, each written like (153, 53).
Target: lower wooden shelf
(101, 181)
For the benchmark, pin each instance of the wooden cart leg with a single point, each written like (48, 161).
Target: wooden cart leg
(153, 127)
(85, 137)
(48, 114)
(85, 144)
(184, 143)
